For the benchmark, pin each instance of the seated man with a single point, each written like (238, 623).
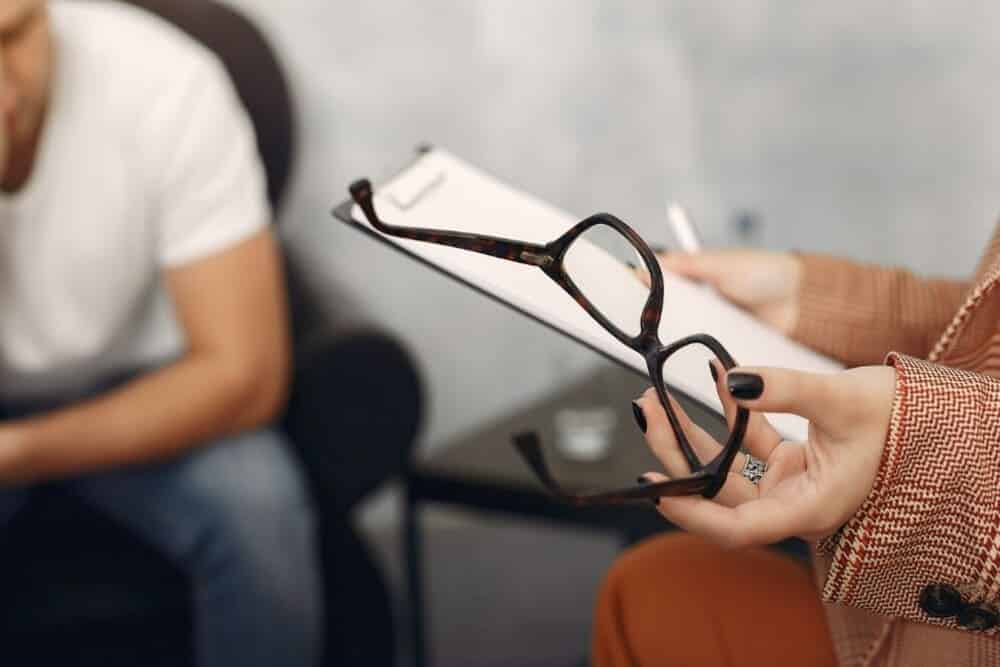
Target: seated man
(143, 339)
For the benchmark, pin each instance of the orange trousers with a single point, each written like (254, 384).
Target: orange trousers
(679, 600)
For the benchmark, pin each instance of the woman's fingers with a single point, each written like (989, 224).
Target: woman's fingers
(702, 266)
(736, 491)
(662, 441)
(729, 406)
(815, 396)
(761, 438)
(787, 461)
(759, 521)
(705, 267)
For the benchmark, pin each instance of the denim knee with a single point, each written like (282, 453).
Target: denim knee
(255, 558)
(251, 506)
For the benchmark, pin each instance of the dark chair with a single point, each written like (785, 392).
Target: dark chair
(76, 589)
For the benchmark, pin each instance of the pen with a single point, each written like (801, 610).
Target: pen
(685, 233)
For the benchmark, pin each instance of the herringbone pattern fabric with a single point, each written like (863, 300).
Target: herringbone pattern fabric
(933, 514)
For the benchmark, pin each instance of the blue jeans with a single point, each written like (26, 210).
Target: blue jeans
(235, 516)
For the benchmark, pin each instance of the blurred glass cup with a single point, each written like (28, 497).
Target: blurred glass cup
(585, 434)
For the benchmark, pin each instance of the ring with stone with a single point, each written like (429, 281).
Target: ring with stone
(753, 468)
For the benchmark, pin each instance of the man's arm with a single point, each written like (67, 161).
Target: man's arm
(232, 377)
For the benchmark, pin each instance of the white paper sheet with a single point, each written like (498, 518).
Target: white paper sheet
(440, 191)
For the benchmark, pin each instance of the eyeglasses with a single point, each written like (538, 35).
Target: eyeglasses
(565, 260)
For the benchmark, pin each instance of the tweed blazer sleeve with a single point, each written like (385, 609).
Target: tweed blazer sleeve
(933, 514)
(857, 312)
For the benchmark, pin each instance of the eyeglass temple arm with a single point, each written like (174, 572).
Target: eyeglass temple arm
(514, 251)
(529, 447)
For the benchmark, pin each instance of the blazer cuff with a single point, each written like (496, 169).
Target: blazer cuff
(933, 514)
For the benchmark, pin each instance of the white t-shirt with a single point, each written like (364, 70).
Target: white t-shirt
(148, 161)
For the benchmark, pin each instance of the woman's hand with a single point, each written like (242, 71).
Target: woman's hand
(810, 488)
(764, 283)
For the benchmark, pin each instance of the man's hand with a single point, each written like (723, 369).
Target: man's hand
(810, 488)
(233, 377)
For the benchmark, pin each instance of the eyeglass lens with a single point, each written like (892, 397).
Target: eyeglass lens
(605, 278)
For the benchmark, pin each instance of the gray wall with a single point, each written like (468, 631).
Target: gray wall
(843, 127)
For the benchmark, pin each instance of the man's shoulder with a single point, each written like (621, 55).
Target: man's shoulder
(128, 50)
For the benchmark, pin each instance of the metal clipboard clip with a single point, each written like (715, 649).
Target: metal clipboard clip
(415, 187)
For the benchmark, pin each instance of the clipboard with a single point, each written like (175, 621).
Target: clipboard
(343, 212)
(435, 188)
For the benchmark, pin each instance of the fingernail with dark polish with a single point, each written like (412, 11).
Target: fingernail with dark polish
(640, 418)
(747, 386)
(711, 369)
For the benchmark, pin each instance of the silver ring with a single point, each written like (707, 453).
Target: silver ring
(753, 469)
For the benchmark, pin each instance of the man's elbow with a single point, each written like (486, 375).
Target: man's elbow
(261, 391)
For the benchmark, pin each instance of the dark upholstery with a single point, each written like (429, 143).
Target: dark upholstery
(77, 589)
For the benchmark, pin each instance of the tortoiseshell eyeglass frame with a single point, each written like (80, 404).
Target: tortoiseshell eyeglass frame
(706, 478)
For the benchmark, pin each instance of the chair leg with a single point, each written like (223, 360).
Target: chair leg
(417, 610)
(360, 628)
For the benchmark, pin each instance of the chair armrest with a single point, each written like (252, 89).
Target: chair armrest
(353, 414)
